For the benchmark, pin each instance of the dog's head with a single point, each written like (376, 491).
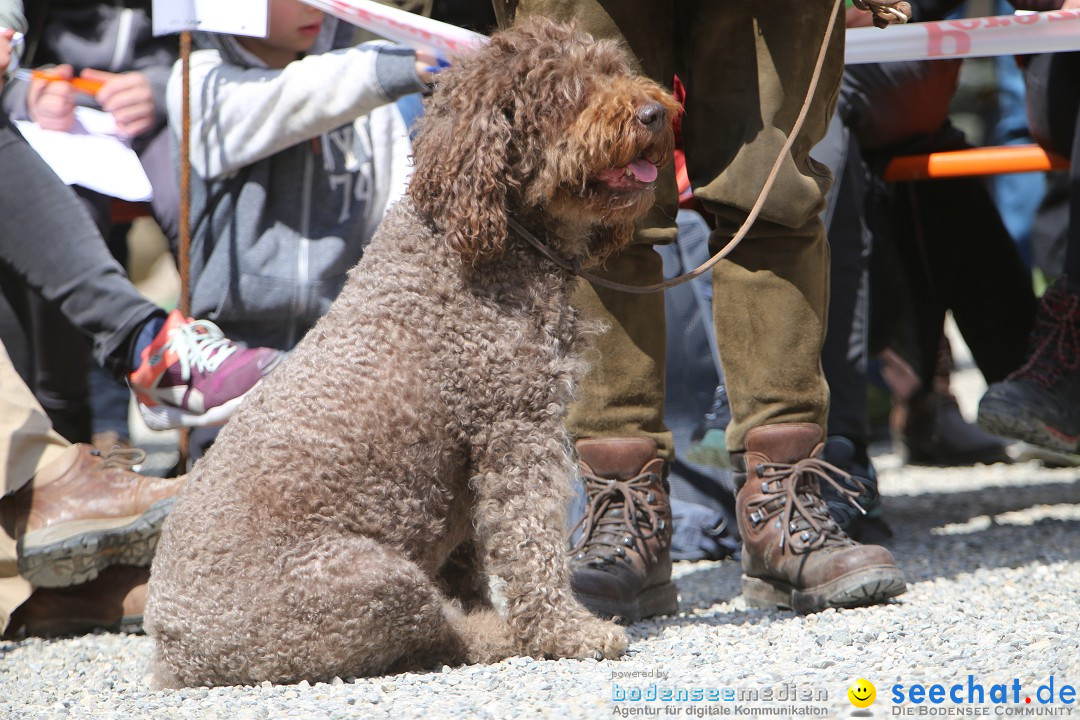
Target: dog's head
(543, 119)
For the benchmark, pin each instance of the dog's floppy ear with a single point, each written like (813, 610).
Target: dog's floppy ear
(461, 178)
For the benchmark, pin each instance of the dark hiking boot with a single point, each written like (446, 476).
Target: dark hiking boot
(864, 519)
(621, 562)
(113, 601)
(794, 554)
(1039, 403)
(936, 434)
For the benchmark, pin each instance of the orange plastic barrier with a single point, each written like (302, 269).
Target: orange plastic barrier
(976, 161)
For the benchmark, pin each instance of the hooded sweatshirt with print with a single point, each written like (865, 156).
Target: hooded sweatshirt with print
(292, 170)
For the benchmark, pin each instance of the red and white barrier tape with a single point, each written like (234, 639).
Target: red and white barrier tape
(971, 37)
(400, 26)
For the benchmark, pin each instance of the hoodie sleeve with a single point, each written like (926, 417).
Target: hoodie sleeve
(242, 115)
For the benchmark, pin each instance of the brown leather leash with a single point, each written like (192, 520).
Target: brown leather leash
(885, 12)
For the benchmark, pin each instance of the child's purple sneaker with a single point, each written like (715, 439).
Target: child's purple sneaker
(191, 375)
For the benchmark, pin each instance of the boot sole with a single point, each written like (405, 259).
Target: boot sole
(657, 600)
(131, 624)
(866, 586)
(1012, 421)
(74, 553)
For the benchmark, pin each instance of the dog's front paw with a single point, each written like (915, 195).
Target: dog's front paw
(587, 638)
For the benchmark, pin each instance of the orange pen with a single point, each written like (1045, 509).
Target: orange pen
(90, 87)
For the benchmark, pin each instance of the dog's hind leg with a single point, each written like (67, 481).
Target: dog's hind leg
(367, 610)
(342, 605)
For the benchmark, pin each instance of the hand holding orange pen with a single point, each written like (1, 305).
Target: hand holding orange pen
(128, 97)
(84, 85)
(51, 98)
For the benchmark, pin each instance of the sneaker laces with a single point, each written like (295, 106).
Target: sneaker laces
(793, 490)
(1056, 339)
(201, 345)
(617, 511)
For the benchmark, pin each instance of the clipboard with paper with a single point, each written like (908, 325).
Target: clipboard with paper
(91, 155)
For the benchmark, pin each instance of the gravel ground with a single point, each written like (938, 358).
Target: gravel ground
(992, 556)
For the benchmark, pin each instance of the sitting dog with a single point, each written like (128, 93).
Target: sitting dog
(350, 516)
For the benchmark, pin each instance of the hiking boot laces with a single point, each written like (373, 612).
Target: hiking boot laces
(1056, 339)
(618, 511)
(793, 491)
(200, 345)
(122, 458)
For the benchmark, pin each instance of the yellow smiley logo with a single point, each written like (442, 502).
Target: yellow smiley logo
(862, 693)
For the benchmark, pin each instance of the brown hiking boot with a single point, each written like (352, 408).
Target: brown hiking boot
(113, 601)
(92, 513)
(794, 553)
(622, 562)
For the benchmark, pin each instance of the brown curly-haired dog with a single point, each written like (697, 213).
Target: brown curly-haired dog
(348, 518)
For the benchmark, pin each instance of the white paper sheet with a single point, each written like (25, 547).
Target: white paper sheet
(91, 155)
(235, 17)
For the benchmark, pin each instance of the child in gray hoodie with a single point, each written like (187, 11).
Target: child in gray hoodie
(297, 149)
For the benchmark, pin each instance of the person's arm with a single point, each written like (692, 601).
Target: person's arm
(242, 115)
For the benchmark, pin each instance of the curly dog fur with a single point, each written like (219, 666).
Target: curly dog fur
(349, 517)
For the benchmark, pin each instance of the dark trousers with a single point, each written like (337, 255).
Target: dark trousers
(958, 256)
(939, 245)
(1053, 101)
(48, 241)
(844, 356)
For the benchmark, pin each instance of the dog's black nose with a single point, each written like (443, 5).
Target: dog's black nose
(651, 115)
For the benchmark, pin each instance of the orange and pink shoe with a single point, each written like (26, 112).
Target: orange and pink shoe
(191, 375)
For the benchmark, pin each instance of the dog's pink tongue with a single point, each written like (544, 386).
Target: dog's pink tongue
(643, 170)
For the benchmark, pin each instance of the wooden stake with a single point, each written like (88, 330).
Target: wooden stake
(184, 260)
